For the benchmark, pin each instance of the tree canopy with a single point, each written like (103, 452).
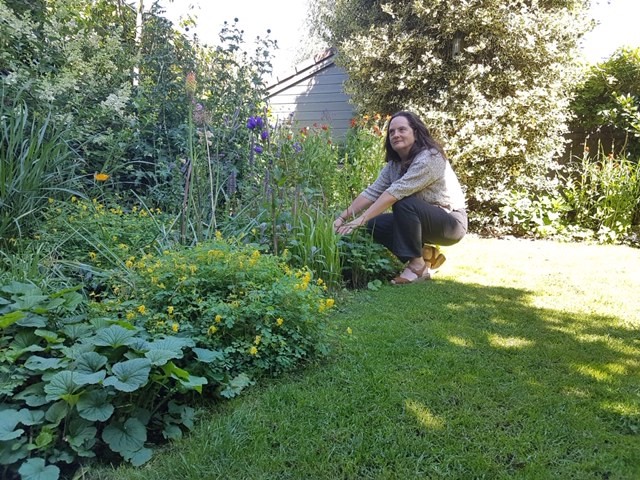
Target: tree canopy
(492, 78)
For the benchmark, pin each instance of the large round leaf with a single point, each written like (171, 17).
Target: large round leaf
(129, 375)
(114, 336)
(89, 368)
(37, 363)
(35, 469)
(93, 406)
(8, 421)
(125, 438)
(61, 385)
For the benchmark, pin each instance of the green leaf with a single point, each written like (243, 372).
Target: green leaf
(114, 336)
(10, 318)
(160, 357)
(208, 356)
(48, 335)
(30, 417)
(18, 288)
(57, 412)
(139, 457)
(76, 331)
(61, 385)
(35, 469)
(44, 438)
(129, 375)
(125, 438)
(33, 395)
(11, 452)
(90, 362)
(39, 364)
(235, 386)
(8, 423)
(194, 383)
(81, 436)
(93, 406)
(175, 344)
(88, 368)
(33, 321)
(172, 431)
(170, 369)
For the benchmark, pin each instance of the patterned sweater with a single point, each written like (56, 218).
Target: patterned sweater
(429, 176)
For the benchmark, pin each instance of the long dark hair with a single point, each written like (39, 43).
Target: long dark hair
(423, 140)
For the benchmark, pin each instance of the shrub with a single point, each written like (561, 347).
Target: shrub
(74, 385)
(608, 96)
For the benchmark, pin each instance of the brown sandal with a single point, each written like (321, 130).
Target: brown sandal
(422, 275)
(433, 256)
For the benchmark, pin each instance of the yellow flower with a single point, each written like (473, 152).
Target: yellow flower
(170, 310)
(330, 302)
(218, 235)
(128, 264)
(212, 329)
(349, 331)
(319, 281)
(279, 322)
(92, 255)
(51, 200)
(218, 318)
(253, 351)
(73, 199)
(142, 309)
(258, 339)
(100, 177)
(193, 269)
(130, 315)
(175, 327)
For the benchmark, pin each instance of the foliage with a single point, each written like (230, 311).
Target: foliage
(101, 233)
(33, 166)
(491, 79)
(75, 385)
(603, 193)
(607, 98)
(365, 261)
(257, 313)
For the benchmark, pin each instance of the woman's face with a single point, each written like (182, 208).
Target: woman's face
(401, 136)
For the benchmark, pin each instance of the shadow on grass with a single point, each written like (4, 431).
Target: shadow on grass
(533, 390)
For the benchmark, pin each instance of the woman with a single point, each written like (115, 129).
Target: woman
(423, 192)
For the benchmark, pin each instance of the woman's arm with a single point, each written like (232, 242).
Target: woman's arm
(383, 202)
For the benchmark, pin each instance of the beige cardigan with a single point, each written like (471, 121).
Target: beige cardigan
(429, 176)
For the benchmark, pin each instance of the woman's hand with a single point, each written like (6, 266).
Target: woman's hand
(338, 222)
(346, 228)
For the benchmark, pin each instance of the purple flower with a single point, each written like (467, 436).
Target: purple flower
(255, 122)
(257, 149)
(264, 135)
(297, 147)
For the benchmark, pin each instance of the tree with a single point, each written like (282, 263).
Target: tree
(492, 78)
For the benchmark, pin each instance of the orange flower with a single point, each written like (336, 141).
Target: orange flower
(101, 177)
(190, 83)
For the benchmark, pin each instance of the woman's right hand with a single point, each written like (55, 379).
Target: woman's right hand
(338, 222)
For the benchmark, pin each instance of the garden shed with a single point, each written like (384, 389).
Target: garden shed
(314, 94)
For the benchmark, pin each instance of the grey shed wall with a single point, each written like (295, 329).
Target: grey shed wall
(314, 94)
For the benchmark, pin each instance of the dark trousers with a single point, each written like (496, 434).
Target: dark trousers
(415, 222)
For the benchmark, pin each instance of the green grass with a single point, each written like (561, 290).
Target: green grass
(521, 360)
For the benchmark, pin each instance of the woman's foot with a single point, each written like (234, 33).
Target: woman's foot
(413, 274)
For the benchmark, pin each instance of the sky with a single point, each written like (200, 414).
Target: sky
(617, 24)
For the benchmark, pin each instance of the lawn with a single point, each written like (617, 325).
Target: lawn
(520, 360)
